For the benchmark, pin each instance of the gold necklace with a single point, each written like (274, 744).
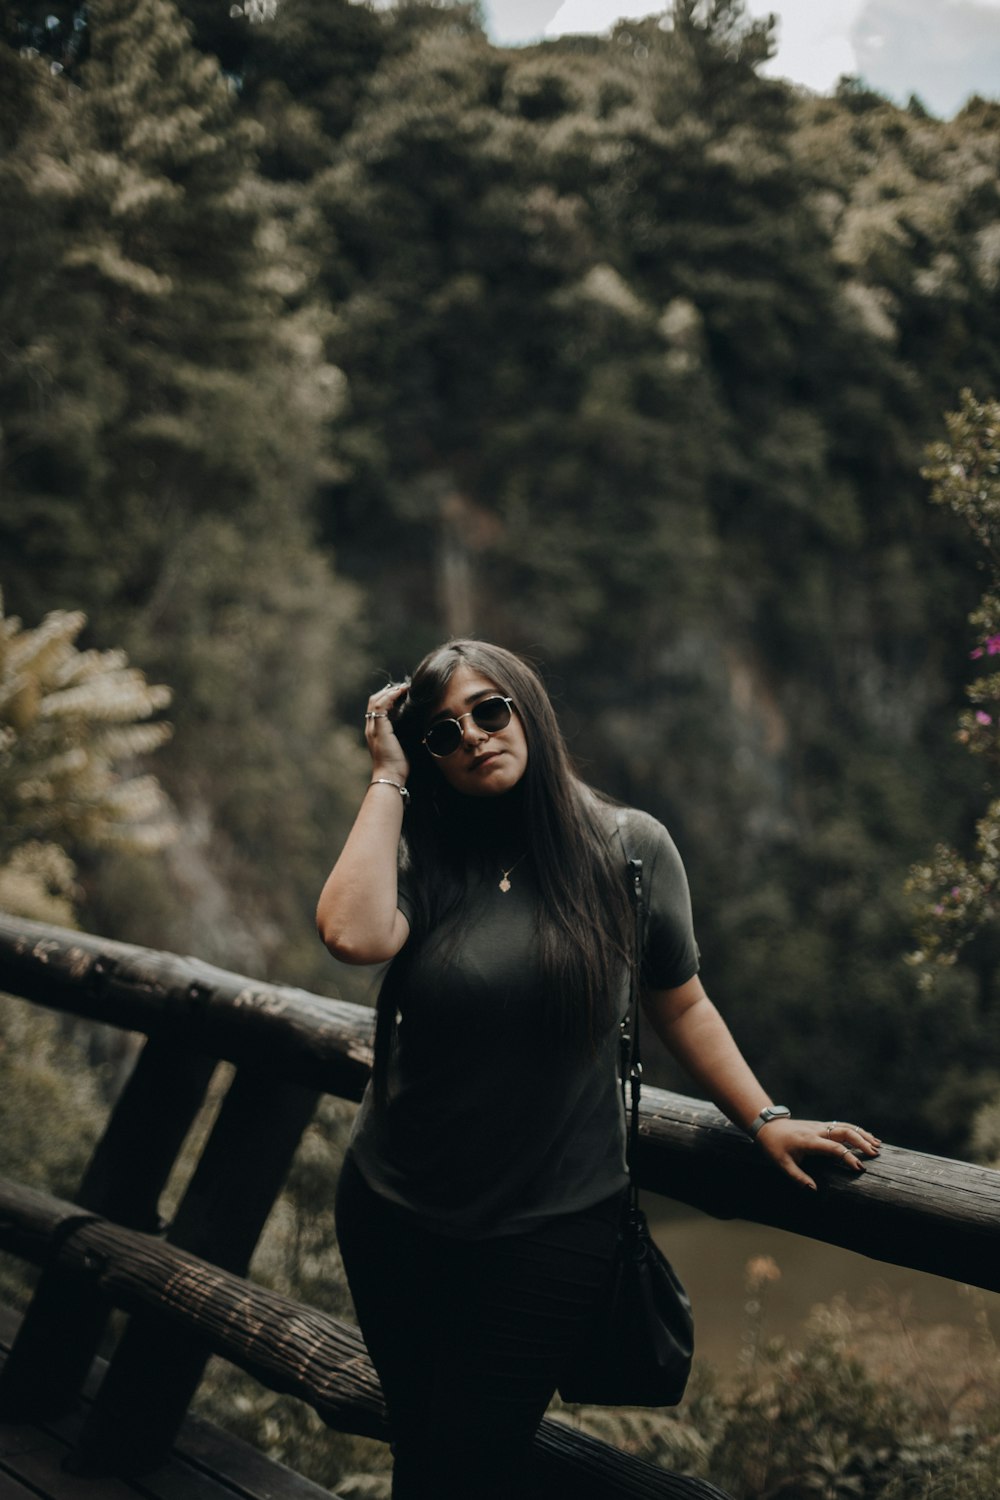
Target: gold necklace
(505, 880)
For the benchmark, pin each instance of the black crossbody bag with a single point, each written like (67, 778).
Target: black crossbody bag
(640, 1347)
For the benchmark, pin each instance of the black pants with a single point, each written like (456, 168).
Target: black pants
(468, 1336)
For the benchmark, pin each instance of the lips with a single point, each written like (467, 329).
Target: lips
(485, 760)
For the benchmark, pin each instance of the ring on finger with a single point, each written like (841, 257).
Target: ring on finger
(830, 1126)
(376, 714)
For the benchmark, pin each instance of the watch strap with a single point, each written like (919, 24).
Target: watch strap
(769, 1113)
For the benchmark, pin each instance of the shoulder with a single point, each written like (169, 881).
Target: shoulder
(640, 826)
(643, 836)
(647, 839)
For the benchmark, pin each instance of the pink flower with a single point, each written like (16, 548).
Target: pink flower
(982, 718)
(977, 653)
(993, 645)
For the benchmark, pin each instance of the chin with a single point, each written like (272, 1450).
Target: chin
(496, 788)
(494, 783)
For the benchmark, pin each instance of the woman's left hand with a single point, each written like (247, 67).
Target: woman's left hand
(787, 1141)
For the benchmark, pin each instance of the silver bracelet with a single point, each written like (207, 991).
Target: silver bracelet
(403, 791)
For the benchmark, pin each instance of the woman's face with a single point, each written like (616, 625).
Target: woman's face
(485, 764)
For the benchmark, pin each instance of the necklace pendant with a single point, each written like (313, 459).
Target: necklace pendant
(504, 882)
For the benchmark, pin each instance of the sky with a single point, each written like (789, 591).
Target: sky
(940, 50)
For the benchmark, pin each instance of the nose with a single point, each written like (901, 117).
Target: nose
(472, 735)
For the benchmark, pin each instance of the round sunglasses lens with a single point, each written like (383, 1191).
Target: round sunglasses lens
(443, 739)
(492, 714)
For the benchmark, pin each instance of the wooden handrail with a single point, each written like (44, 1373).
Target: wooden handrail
(184, 1294)
(288, 1347)
(910, 1209)
(310, 1039)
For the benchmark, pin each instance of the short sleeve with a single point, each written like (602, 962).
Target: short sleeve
(671, 957)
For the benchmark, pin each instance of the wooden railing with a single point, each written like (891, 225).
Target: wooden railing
(183, 1285)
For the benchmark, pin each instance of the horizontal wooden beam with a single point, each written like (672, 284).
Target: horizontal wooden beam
(909, 1209)
(288, 1347)
(324, 1043)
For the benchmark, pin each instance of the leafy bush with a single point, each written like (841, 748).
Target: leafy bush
(71, 726)
(872, 1407)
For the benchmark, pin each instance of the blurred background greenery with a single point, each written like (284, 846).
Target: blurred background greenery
(335, 331)
(330, 331)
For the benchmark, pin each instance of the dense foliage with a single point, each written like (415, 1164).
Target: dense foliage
(71, 725)
(957, 893)
(165, 399)
(632, 338)
(332, 330)
(960, 894)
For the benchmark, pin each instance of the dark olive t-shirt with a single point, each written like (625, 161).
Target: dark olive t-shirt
(485, 1130)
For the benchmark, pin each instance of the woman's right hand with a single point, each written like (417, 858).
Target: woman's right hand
(388, 756)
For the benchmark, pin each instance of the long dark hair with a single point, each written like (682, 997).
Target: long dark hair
(585, 916)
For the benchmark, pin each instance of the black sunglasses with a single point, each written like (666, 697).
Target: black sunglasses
(445, 735)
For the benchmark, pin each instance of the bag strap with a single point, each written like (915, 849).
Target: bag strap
(630, 1056)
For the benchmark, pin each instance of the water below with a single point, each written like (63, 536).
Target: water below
(711, 1257)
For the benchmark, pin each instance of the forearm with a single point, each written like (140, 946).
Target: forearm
(688, 1023)
(704, 1046)
(356, 914)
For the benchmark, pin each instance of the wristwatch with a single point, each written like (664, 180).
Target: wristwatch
(772, 1112)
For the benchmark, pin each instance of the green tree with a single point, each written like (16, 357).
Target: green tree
(319, 56)
(166, 395)
(638, 350)
(72, 726)
(959, 895)
(954, 891)
(618, 393)
(144, 321)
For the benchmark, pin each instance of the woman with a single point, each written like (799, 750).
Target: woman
(479, 1200)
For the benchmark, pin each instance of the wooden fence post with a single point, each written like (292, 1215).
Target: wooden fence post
(156, 1368)
(62, 1329)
